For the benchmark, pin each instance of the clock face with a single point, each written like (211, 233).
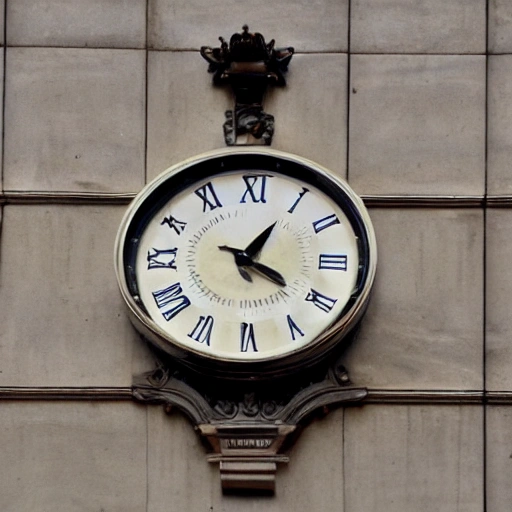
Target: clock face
(246, 257)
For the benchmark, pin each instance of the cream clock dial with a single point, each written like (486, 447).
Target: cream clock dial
(242, 258)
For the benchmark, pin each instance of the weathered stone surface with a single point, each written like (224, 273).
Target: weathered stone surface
(74, 120)
(62, 318)
(417, 124)
(423, 328)
(311, 111)
(77, 23)
(426, 459)
(317, 25)
(2, 18)
(499, 290)
(1, 91)
(499, 458)
(500, 26)
(63, 456)
(185, 111)
(499, 120)
(431, 26)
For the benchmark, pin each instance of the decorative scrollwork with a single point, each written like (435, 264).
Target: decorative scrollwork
(340, 374)
(226, 408)
(159, 377)
(250, 405)
(270, 409)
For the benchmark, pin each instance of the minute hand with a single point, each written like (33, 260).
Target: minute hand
(253, 249)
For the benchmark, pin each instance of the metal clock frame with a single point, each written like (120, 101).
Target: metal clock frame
(181, 176)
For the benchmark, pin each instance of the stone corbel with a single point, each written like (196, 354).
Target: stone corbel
(247, 436)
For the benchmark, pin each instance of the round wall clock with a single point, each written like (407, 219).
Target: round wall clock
(246, 263)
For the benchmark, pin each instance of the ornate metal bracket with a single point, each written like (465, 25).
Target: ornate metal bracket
(249, 65)
(247, 434)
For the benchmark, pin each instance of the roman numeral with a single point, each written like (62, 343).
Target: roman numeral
(210, 199)
(203, 330)
(301, 195)
(171, 301)
(247, 337)
(324, 223)
(332, 262)
(294, 328)
(255, 188)
(162, 259)
(320, 301)
(175, 224)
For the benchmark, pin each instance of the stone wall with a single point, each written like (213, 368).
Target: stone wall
(409, 101)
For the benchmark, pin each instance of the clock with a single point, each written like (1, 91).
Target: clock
(246, 264)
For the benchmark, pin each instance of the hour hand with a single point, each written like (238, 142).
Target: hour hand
(269, 273)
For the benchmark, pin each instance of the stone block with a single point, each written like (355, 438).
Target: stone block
(185, 111)
(2, 18)
(77, 23)
(499, 458)
(62, 318)
(499, 290)
(74, 120)
(500, 26)
(311, 111)
(64, 456)
(417, 124)
(421, 458)
(431, 26)
(423, 327)
(499, 119)
(1, 91)
(319, 25)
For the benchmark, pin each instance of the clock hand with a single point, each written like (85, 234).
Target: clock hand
(232, 250)
(244, 274)
(269, 273)
(257, 244)
(242, 260)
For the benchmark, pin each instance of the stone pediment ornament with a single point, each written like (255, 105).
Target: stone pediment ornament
(248, 64)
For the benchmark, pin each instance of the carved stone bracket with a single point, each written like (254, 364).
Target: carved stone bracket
(247, 435)
(249, 65)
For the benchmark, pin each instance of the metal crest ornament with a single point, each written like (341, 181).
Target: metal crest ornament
(249, 65)
(248, 271)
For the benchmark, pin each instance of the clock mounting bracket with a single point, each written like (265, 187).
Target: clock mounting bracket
(249, 65)
(249, 432)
